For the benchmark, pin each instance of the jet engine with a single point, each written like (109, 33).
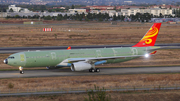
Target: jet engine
(80, 66)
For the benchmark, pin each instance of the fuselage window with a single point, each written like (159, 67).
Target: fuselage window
(10, 57)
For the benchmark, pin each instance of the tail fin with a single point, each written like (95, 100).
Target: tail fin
(69, 48)
(150, 37)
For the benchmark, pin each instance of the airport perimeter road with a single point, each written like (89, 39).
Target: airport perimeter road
(20, 49)
(104, 71)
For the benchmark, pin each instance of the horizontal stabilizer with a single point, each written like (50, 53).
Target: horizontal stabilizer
(154, 48)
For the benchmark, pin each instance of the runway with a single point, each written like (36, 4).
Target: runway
(104, 71)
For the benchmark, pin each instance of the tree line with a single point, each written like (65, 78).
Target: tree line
(146, 17)
(3, 8)
(41, 8)
(89, 17)
(176, 12)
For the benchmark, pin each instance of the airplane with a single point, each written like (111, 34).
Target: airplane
(86, 59)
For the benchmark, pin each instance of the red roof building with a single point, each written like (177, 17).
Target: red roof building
(101, 7)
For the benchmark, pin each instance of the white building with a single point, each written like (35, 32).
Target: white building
(18, 9)
(157, 11)
(79, 11)
(25, 10)
(166, 11)
(145, 11)
(3, 14)
(59, 8)
(96, 11)
(118, 13)
(110, 12)
(55, 14)
(154, 11)
(131, 11)
(14, 8)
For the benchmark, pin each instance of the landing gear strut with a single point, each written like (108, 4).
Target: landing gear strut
(21, 70)
(94, 70)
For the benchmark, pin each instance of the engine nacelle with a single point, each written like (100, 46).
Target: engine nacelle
(80, 66)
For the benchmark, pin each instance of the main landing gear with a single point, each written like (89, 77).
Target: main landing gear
(94, 70)
(21, 70)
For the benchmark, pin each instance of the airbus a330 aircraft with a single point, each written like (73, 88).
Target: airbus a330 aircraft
(86, 59)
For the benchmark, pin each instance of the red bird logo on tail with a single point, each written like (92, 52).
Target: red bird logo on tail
(69, 48)
(150, 37)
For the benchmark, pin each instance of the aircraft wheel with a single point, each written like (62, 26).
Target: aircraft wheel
(21, 72)
(92, 70)
(97, 70)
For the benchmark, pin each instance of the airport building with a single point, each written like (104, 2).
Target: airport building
(3, 14)
(154, 11)
(14, 8)
(18, 9)
(120, 10)
(79, 11)
(110, 12)
(131, 11)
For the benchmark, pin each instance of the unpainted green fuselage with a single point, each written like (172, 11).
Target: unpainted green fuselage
(54, 58)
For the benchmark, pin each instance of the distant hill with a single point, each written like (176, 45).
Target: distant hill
(154, 1)
(88, 2)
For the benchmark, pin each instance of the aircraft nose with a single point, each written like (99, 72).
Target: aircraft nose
(6, 61)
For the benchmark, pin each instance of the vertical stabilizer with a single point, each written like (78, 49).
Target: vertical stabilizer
(69, 48)
(150, 37)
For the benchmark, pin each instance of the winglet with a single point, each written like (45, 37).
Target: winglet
(69, 48)
(150, 37)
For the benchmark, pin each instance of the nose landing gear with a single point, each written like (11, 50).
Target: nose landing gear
(21, 70)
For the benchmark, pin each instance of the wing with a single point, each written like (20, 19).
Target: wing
(94, 59)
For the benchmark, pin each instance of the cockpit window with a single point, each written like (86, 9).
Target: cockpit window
(11, 57)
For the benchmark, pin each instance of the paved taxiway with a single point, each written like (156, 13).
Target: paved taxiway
(104, 71)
